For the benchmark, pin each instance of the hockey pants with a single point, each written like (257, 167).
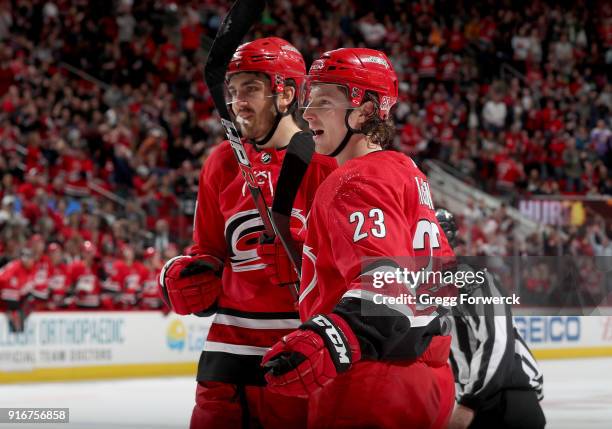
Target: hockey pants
(385, 396)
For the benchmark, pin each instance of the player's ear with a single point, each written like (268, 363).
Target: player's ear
(286, 98)
(361, 115)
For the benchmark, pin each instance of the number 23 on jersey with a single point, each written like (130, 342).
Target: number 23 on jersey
(377, 229)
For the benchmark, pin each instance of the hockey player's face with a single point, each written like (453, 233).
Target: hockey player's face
(251, 100)
(27, 261)
(325, 109)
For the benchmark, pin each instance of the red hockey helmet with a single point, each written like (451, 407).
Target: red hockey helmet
(359, 70)
(273, 56)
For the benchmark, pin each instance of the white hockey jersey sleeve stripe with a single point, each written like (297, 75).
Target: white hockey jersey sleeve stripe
(415, 321)
(237, 349)
(243, 322)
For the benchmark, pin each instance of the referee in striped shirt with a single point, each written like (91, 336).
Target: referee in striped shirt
(497, 380)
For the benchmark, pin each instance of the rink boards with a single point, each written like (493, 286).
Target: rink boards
(98, 345)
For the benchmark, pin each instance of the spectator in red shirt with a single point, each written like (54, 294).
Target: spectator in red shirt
(191, 35)
(150, 299)
(556, 148)
(58, 277)
(129, 275)
(17, 280)
(412, 139)
(86, 279)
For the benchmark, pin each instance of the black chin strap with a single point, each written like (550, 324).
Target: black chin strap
(277, 120)
(349, 133)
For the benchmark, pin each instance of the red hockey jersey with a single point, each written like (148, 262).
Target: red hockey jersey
(59, 284)
(130, 278)
(16, 282)
(151, 299)
(373, 215)
(251, 314)
(87, 287)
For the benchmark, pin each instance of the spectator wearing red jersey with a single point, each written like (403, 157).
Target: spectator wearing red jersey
(150, 291)
(78, 170)
(59, 277)
(86, 279)
(412, 139)
(448, 71)
(556, 149)
(34, 208)
(427, 65)
(437, 110)
(16, 284)
(191, 35)
(129, 275)
(456, 38)
(17, 280)
(168, 61)
(40, 279)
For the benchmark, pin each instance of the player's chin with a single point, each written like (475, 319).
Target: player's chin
(324, 147)
(248, 131)
(320, 142)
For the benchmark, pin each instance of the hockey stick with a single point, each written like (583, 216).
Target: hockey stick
(295, 164)
(240, 18)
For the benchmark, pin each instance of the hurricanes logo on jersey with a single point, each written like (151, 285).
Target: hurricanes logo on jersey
(309, 273)
(242, 234)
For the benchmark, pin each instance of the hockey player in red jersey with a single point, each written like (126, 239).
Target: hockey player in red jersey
(150, 299)
(130, 275)
(85, 279)
(363, 361)
(16, 285)
(59, 278)
(40, 285)
(223, 273)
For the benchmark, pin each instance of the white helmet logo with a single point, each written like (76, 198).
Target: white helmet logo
(376, 60)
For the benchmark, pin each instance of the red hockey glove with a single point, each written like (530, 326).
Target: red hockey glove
(279, 268)
(307, 359)
(190, 284)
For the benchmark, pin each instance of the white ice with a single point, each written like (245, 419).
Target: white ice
(578, 394)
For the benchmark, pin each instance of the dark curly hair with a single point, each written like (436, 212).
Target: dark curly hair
(379, 131)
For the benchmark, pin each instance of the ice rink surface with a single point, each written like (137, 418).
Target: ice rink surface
(578, 394)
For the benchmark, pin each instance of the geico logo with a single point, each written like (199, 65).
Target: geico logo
(333, 334)
(541, 329)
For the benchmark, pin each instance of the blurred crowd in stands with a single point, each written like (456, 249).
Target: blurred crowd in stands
(105, 120)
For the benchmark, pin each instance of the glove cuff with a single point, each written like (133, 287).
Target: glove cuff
(349, 334)
(343, 348)
(215, 265)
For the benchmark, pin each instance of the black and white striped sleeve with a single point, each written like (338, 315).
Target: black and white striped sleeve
(482, 348)
(529, 366)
